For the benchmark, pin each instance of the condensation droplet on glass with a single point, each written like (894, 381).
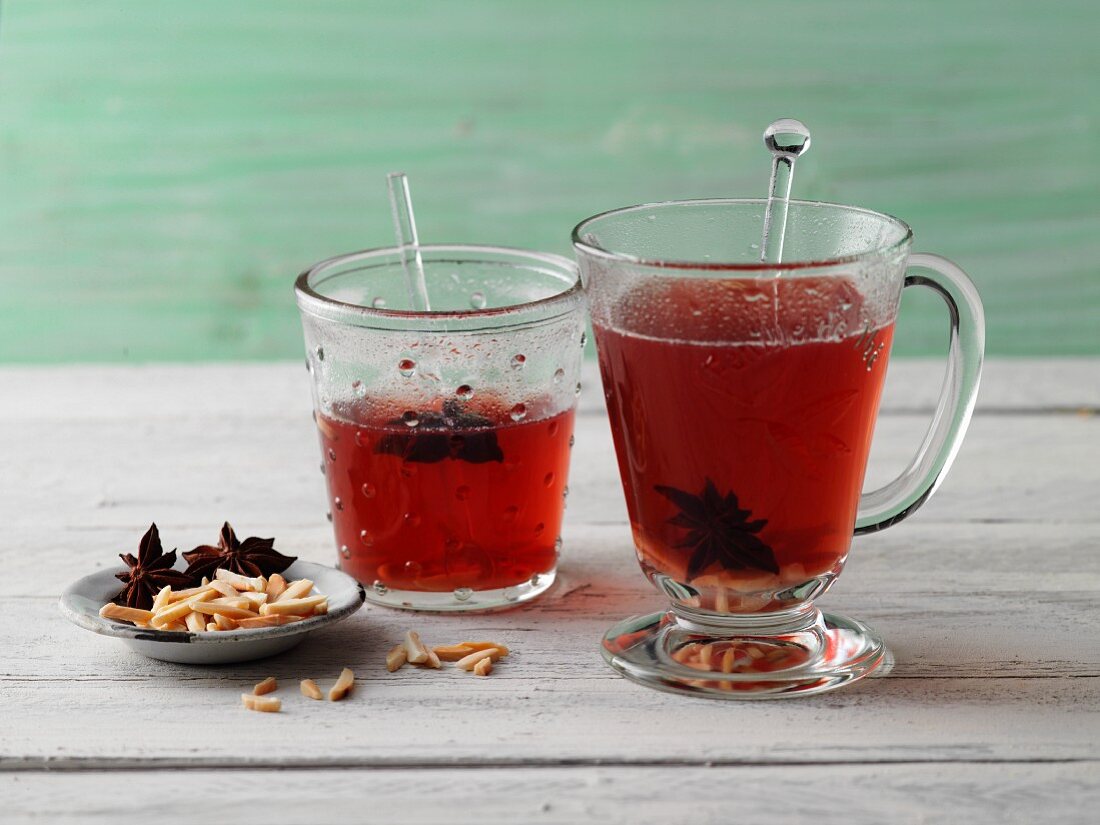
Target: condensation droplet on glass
(535, 579)
(518, 360)
(465, 392)
(553, 429)
(344, 551)
(584, 339)
(462, 492)
(539, 528)
(309, 366)
(369, 490)
(366, 538)
(410, 418)
(379, 302)
(510, 513)
(548, 479)
(559, 374)
(565, 491)
(412, 569)
(380, 587)
(322, 468)
(463, 593)
(510, 594)
(477, 300)
(406, 366)
(557, 544)
(332, 455)
(408, 471)
(319, 351)
(518, 412)
(577, 389)
(359, 388)
(328, 515)
(360, 437)
(338, 503)
(572, 440)
(412, 519)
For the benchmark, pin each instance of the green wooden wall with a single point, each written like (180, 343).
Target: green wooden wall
(167, 167)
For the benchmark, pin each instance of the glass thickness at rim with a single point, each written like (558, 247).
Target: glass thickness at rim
(757, 268)
(312, 301)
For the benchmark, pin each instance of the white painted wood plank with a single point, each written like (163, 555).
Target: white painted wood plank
(135, 392)
(1006, 675)
(842, 794)
(987, 597)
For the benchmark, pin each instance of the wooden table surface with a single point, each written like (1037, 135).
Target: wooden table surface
(987, 597)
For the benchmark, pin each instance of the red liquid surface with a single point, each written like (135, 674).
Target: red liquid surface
(756, 446)
(441, 506)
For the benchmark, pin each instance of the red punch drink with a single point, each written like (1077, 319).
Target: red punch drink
(464, 496)
(742, 413)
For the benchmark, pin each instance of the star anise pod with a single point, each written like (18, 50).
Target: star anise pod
(434, 437)
(719, 531)
(149, 572)
(251, 557)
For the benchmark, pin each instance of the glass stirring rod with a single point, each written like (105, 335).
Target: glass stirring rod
(404, 227)
(786, 139)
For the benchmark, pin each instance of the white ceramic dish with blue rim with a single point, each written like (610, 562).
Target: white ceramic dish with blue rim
(81, 601)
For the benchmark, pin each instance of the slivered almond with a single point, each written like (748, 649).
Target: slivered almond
(469, 662)
(483, 667)
(452, 653)
(254, 599)
(125, 614)
(211, 627)
(414, 648)
(228, 610)
(163, 599)
(299, 607)
(706, 653)
(225, 588)
(296, 590)
(396, 658)
(268, 685)
(196, 622)
(264, 704)
(432, 660)
(178, 610)
(180, 595)
(223, 622)
(239, 582)
(486, 645)
(275, 587)
(268, 621)
(343, 685)
(309, 688)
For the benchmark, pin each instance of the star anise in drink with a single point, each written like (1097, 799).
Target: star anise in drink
(149, 572)
(251, 557)
(434, 438)
(719, 531)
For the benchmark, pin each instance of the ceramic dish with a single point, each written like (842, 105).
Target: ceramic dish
(81, 601)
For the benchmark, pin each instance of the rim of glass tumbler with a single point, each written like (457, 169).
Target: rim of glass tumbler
(750, 267)
(568, 299)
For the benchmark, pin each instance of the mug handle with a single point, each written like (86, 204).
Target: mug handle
(901, 497)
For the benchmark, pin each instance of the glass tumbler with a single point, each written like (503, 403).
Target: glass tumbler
(742, 398)
(445, 434)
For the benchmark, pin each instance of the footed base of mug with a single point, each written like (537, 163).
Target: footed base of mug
(764, 660)
(461, 599)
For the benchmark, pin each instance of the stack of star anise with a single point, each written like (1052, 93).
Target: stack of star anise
(152, 570)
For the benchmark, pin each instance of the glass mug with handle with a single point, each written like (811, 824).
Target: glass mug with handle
(742, 399)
